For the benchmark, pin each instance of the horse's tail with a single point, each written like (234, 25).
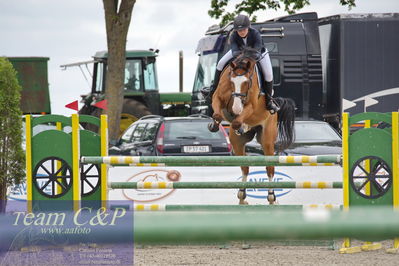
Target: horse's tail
(286, 119)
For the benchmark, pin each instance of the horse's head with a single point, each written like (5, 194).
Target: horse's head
(241, 73)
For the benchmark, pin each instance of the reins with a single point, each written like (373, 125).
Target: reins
(243, 96)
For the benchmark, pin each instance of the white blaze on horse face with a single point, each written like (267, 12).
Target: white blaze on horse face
(237, 81)
(237, 104)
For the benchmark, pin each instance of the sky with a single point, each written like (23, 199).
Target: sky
(69, 31)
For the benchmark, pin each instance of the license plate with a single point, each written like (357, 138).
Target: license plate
(195, 149)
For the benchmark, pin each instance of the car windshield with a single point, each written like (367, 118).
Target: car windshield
(178, 130)
(313, 132)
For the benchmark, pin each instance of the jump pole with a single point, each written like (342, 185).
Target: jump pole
(282, 225)
(224, 185)
(169, 227)
(210, 208)
(321, 160)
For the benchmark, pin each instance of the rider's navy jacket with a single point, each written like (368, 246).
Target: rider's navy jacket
(254, 40)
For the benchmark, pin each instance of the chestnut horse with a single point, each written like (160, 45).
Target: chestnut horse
(238, 99)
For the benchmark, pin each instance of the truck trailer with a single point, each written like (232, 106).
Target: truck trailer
(359, 62)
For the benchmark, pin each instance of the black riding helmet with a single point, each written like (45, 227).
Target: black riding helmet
(241, 22)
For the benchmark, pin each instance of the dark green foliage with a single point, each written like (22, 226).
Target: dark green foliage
(218, 7)
(12, 157)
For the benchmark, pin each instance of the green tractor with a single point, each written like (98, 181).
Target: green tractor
(141, 92)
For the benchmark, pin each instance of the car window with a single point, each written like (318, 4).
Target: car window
(175, 130)
(149, 133)
(128, 133)
(315, 132)
(138, 132)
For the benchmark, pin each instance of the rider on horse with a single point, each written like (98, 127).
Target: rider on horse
(246, 36)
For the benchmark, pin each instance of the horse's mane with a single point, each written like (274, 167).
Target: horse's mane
(248, 53)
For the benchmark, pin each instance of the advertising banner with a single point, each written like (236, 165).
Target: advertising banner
(225, 174)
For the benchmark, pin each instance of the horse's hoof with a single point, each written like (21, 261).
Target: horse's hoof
(239, 131)
(243, 202)
(271, 198)
(242, 194)
(213, 127)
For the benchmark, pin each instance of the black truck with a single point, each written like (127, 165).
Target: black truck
(325, 65)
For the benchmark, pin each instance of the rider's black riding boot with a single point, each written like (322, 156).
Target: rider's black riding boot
(271, 105)
(209, 92)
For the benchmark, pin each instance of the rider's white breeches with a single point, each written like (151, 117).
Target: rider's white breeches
(265, 64)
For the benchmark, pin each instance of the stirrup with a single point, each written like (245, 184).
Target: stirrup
(272, 111)
(272, 107)
(206, 91)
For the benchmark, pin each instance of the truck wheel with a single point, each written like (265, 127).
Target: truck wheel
(132, 110)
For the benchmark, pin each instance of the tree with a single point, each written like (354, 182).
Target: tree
(12, 157)
(251, 6)
(117, 20)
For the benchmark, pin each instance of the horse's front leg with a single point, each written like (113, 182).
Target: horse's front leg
(242, 193)
(239, 150)
(268, 149)
(217, 114)
(271, 197)
(239, 120)
(269, 136)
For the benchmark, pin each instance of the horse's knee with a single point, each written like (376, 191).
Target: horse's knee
(217, 117)
(236, 124)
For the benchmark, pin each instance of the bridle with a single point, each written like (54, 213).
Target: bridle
(242, 96)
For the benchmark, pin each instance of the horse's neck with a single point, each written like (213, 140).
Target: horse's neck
(224, 89)
(255, 90)
(258, 103)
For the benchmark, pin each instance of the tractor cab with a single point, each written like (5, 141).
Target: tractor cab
(140, 72)
(141, 95)
(140, 85)
(141, 92)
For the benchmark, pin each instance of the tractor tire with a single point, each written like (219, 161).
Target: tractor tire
(132, 111)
